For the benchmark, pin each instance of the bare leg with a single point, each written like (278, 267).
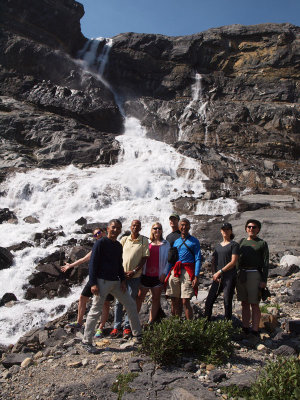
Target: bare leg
(256, 314)
(156, 293)
(140, 298)
(81, 308)
(245, 314)
(176, 306)
(105, 314)
(187, 308)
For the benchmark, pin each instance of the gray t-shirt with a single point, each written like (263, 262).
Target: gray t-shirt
(222, 255)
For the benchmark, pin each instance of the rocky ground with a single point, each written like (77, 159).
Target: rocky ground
(50, 363)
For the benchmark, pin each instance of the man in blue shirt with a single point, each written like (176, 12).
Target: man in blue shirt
(183, 277)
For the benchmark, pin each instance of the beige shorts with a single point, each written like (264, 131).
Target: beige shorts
(249, 291)
(180, 287)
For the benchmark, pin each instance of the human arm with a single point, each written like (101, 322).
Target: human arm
(198, 257)
(265, 268)
(140, 265)
(94, 263)
(217, 275)
(82, 260)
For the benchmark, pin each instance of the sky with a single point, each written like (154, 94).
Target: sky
(181, 17)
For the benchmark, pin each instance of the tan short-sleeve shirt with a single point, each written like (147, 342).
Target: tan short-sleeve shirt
(133, 251)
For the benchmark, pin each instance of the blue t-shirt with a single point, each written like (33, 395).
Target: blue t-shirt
(185, 255)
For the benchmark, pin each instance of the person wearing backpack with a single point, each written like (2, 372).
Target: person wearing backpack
(253, 266)
(183, 277)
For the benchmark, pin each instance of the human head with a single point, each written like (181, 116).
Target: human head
(227, 227)
(253, 222)
(114, 228)
(184, 226)
(156, 225)
(98, 233)
(174, 219)
(135, 227)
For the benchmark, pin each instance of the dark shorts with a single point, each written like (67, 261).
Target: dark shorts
(87, 293)
(150, 281)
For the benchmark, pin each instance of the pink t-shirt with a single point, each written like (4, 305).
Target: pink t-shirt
(152, 266)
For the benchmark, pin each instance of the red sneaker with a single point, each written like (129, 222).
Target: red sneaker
(115, 333)
(127, 333)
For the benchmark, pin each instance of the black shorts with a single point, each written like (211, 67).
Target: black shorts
(87, 293)
(150, 281)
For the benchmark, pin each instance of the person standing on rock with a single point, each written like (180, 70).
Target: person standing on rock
(135, 254)
(86, 293)
(171, 237)
(224, 260)
(106, 275)
(153, 269)
(253, 267)
(183, 278)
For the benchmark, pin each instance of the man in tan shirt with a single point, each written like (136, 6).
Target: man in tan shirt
(135, 254)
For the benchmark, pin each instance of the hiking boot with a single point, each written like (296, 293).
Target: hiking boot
(127, 333)
(90, 348)
(99, 333)
(115, 333)
(75, 325)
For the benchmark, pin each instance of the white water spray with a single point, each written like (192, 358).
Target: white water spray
(148, 176)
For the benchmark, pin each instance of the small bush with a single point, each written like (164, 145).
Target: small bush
(167, 341)
(279, 380)
(121, 386)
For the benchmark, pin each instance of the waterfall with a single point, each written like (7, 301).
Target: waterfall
(196, 108)
(149, 175)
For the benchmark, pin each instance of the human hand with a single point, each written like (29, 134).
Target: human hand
(95, 290)
(262, 285)
(129, 274)
(216, 276)
(66, 267)
(162, 278)
(195, 282)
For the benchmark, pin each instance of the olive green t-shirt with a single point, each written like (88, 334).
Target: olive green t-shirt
(254, 254)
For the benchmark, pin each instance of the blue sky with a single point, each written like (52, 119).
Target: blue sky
(181, 17)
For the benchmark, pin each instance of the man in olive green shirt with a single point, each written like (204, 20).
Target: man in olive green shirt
(135, 254)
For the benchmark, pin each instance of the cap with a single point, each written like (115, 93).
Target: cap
(226, 225)
(174, 216)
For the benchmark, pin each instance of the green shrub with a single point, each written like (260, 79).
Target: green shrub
(121, 386)
(278, 380)
(167, 341)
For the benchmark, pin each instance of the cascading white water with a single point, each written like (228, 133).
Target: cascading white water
(196, 106)
(141, 185)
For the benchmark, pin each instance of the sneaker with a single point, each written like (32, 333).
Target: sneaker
(75, 325)
(137, 339)
(90, 348)
(99, 333)
(127, 333)
(115, 333)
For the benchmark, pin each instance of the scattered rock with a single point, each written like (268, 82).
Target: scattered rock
(6, 298)
(6, 258)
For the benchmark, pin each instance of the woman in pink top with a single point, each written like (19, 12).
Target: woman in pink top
(153, 269)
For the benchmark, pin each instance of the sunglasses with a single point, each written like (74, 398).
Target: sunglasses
(157, 229)
(251, 227)
(97, 234)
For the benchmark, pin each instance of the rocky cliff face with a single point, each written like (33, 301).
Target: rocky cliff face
(228, 97)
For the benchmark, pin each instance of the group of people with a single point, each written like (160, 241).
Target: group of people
(126, 270)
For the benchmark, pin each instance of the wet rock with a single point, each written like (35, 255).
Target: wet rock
(31, 220)
(7, 215)
(6, 258)
(81, 221)
(20, 246)
(6, 298)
